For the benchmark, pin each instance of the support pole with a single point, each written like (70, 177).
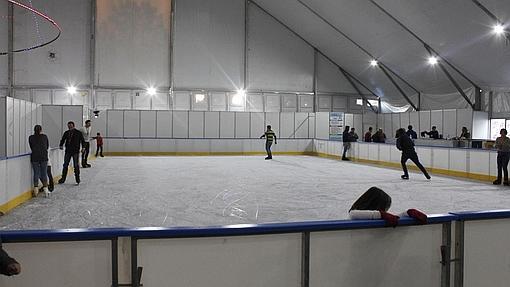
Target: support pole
(358, 90)
(10, 48)
(92, 59)
(383, 68)
(315, 77)
(115, 262)
(459, 254)
(305, 259)
(246, 31)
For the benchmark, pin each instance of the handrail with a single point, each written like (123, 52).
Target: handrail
(21, 155)
(483, 214)
(416, 146)
(81, 234)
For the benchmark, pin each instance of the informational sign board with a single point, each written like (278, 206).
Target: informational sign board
(336, 125)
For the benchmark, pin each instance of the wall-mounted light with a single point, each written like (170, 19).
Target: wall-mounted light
(374, 63)
(71, 90)
(151, 91)
(238, 98)
(96, 114)
(433, 60)
(199, 98)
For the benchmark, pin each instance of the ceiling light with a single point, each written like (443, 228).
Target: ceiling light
(151, 91)
(238, 98)
(498, 29)
(71, 90)
(433, 60)
(374, 63)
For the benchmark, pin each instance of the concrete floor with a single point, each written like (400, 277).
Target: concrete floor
(200, 191)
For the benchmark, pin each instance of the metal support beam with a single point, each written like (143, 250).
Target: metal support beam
(493, 17)
(246, 31)
(10, 48)
(383, 68)
(305, 259)
(478, 99)
(172, 45)
(358, 90)
(115, 262)
(315, 77)
(92, 59)
(452, 80)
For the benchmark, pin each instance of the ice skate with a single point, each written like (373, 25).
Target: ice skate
(35, 191)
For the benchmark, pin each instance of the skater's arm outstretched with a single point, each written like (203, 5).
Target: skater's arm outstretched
(263, 136)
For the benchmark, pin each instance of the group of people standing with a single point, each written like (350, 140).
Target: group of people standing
(74, 141)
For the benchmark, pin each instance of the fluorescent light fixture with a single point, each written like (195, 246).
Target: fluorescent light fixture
(151, 91)
(238, 98)
(374, 63)
(498, 29)
(71, 90)
(199, 98)
(433, 60)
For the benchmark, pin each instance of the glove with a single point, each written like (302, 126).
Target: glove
(391, 220)
(418, 215)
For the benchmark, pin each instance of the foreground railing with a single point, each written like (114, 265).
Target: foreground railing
(321, 253)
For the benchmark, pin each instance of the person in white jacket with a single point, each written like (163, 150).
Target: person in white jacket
(375, 203)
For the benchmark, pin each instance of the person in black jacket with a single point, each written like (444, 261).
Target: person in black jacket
(8, 266)
(410, 133)
(406, 145)
(347, 139)
(72, 138)
(39, 145)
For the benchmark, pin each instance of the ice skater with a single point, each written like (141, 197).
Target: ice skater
(270, 136)
(86, 147)
(375, 203)
(72, 138)
(39, 145)
(99, 144)
(347, 139)
(406, 145)
(503, 147)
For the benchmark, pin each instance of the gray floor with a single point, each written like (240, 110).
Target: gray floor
(198, 191)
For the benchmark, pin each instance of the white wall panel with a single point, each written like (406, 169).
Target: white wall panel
(289, 103)
(301, 125)
(181, 101)
(199, 104)
(99, 124)
(311, 125)
(340, 103)
(257, 127)
(324, 103)
(322, 126)
(122, 100)
(139, 33)
(42, 97)
(464, 119)
(273, 120)
(148, 124)
(3, 45)
(458, 160)
(450, 123)
(414, 120)
(436, 119)
(72, 113)
(424, 121)
(164, 124)
(287, 125)
(349, 120)
(160, 101)
(196, 125)
(81, 98)
(212, 125)
(441, 158)
(255, 102)
(70, 66)
(227, 125)
(104, 100)
(131, 124)
(404, 120)
(277, 59)
(180, 124)
(218, 102)
(61, 97)
(52, 124)
(480, 125)
(115, 124)
(479, 162)
(273, 103)
(22, 95)
(209, 44)
(16, 125)
(388, 125)
(242, 125)
(3, 126)
(305, 103)
(142, 101)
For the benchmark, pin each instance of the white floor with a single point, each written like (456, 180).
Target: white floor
(198, 191)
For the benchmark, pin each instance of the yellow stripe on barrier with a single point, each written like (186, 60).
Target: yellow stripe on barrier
(15, 202)
(203, 153)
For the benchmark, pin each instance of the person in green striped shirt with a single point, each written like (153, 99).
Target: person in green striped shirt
(270, 136)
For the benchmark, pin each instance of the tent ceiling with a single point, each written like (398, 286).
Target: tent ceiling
(457, 29)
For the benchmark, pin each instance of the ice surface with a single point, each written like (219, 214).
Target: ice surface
(198, 191)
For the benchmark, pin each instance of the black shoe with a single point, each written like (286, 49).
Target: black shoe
(78, 180)
(506, 183)
(61, 181)
(88, 165)
(427, 176)
(102, 155)
(404, 176)
(51, 187)
(497, 182)
(346, 159)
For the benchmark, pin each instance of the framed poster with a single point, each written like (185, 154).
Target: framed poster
(336, 125)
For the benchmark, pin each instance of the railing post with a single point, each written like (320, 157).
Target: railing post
(459, 254)
(115, 262)
(134, 263)
(305, 259)
(446, 250)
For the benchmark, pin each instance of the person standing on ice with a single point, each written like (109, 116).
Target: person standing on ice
(72, 139)
(503, 147)
(270, 136)
(406, 145)
(375, 203)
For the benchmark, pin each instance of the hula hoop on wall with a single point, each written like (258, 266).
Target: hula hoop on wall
(42, 15)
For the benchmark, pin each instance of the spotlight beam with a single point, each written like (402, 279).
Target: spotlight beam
(42, 15)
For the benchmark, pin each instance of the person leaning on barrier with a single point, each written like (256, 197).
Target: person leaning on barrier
(379, 136)
(368, 135)
(465, 135)
(8, 265)
(433, 134)
(347, 139)
(410, 133)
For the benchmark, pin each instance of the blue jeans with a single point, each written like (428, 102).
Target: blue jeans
(40, 172)
(268, 148)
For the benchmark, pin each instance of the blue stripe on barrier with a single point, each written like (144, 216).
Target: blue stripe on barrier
(20, 155)
(479, 215)
(228, 230)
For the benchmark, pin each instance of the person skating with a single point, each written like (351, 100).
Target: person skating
(72, 139)
(86, 147)
(39, 145)
(375, 203)
(99, 144)
(503, 147)
(347, 139)
(406, 145)
(270, 136)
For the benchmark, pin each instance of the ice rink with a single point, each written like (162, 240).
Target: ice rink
(198, 191)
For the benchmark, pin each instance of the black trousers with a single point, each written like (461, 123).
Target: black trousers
(503, 158)
(99, 150)
(413, 156)
(76, 164)
(85, 154)
(51, 184)
(268, 148)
